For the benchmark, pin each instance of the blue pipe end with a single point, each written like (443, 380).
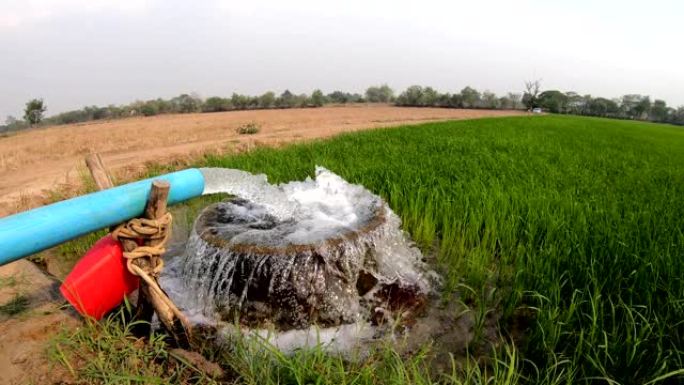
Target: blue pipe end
(35, 230)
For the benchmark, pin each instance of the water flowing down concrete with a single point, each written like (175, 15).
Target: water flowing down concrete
(290, 257)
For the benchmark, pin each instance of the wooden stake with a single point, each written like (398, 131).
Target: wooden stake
(147, 302)
(99, 172)
(155, 208)
(103, 180)
(156, 203)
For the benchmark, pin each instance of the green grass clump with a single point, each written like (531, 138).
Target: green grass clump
(248, 129)
(17, 305)
(107, 352)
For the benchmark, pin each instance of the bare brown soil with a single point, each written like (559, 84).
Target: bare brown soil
(45, 159)
(25, 335)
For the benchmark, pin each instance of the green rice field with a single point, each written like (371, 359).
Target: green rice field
(570, 230)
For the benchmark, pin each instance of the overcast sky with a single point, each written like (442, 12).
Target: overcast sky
(74, 53)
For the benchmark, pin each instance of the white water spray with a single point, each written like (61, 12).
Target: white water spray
(295, 256)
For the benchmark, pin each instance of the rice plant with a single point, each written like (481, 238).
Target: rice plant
(579, 220)
(574, 224)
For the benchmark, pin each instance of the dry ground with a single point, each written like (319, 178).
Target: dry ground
(43, 159)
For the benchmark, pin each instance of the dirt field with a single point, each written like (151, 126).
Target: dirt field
(38, 160)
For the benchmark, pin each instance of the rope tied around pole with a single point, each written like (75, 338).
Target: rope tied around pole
(146, 231)
(144, 260)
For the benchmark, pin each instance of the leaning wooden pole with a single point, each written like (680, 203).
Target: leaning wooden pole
(155, 209)
(103, 179)
(151, 298)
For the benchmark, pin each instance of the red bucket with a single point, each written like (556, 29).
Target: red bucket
(100, 280)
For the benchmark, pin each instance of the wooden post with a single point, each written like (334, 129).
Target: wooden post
(147, 303)
(99, 172)
(155, 208)
(156, 203)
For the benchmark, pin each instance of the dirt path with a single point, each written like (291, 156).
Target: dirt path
(44, 159)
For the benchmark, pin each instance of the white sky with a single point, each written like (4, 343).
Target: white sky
(74, 53)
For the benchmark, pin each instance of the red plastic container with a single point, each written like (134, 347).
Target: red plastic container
(100, 280)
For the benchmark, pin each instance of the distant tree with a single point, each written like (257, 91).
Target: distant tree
(13, 124)
(602, 107)
(186, 103)
(532, 89)
(443, 100)
(267, 100)
(659, 111)
(33, 113)
(239, 102)
(167, 106)
(510, 101)
(285, 100)
(216, 104)
(317, 98)
(576, 103)
(412, 96)
(677, 116)
(628, 105)
(516, 100)
(149, 108)
(115, 112)
(379, 94)
(553, 100)
(301, 100)
(456, 100)
(95, 113)
(429, 98)
(253, 102)
(69, 117)
(470, 98)
(340, 97)
(643, 108)
(490, 100)
(102, 113)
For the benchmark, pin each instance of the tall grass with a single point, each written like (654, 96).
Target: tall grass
(106, 352)
(578, 221)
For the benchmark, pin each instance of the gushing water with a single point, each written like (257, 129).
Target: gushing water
(319, 252)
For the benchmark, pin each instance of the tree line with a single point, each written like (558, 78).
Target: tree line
(182, 104)
(632, 106)
(187, 103)
(468, 97)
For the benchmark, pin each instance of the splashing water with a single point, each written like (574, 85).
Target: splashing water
(321, 252)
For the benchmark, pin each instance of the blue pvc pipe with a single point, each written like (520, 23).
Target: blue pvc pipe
(35, 230)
